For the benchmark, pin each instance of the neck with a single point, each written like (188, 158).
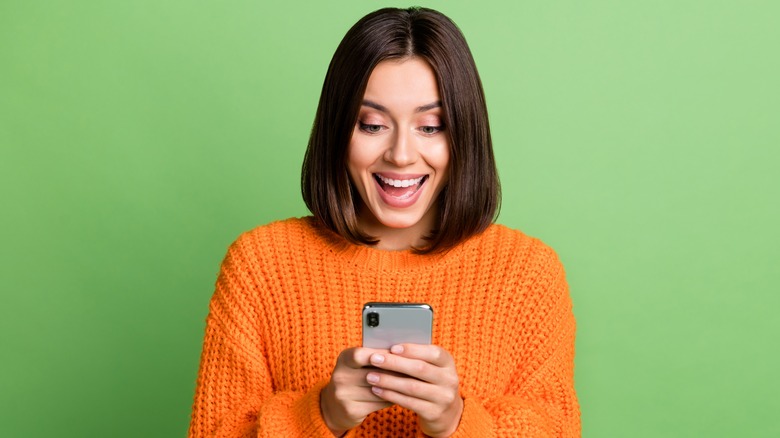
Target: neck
(398, 239)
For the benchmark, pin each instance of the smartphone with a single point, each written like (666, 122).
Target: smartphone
(388, 324)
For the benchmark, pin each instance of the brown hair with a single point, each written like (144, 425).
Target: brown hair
(470, 201)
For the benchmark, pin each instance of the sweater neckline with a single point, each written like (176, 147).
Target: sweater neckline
(368, 258)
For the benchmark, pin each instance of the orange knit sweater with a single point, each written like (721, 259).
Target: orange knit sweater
(289, 298)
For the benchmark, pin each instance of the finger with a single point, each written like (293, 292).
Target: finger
(357, 357)
(411, 367)
(373, 407)
(346, 378)
(355, 393)
(360, 376)
(407, 386)
(405, 401)
(432, 354)
(385, 372)
(366, 395)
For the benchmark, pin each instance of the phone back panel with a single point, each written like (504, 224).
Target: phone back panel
(398, 323)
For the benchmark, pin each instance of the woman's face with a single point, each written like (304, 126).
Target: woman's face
(398, 157)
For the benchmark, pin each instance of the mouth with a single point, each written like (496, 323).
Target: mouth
(400, 188)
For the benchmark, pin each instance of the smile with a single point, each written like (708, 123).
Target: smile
(400, 189)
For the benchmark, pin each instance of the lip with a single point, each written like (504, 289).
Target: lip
(392, 201)
(393, 175)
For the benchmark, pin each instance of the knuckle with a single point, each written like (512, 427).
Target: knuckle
(452, 380)
(431, 414)
(352, 411)
(340, 394)
(339, 378)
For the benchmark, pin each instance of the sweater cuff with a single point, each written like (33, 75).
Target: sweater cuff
(475, 420)
(308, 408)
(293, 414)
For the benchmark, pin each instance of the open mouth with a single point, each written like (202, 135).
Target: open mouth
(400, 188)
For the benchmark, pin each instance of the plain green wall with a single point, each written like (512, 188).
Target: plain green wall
(139, 138)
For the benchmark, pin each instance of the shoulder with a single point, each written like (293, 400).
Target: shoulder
(253, 261)
(288, 233)
(524, 262)
(280, 228)
(516, 246)
(279, 242)
(532, 269)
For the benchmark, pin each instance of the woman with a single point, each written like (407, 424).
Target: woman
(400, 177)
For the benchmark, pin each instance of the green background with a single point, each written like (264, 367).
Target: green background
(139, 138)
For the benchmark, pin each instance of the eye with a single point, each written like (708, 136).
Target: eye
(371, 129)
(430, 130)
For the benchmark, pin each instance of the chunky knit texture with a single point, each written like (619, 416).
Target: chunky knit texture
(289, 298)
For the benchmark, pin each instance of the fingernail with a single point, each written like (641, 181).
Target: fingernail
(377, 358)
(372, 378)
(397, 349)
(376, 390)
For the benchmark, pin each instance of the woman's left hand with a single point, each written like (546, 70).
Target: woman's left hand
(422, 378)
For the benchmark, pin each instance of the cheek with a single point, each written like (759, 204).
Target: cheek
(439, 158)
(357, 161)
(361, 154)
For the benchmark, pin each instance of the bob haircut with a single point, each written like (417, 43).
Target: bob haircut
(470, 201)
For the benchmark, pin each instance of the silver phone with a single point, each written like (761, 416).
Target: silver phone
(388, 324)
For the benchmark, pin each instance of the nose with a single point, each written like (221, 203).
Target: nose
(402, 150)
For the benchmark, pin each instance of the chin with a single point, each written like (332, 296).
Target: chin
(400, 220)
(399, 223)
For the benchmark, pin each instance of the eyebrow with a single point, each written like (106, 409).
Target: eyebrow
(419, 109)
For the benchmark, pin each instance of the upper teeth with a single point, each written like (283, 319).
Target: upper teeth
(401, 182)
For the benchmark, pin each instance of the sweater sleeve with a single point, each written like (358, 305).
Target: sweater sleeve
(234, 395)
(540, 400)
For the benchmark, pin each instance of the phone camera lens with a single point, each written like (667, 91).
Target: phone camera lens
(373, 319)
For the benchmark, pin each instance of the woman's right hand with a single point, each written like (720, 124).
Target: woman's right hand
(347, 399)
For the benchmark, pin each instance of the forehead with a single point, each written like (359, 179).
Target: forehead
(402, 84)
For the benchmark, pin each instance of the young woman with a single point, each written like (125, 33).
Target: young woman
(400, 178)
